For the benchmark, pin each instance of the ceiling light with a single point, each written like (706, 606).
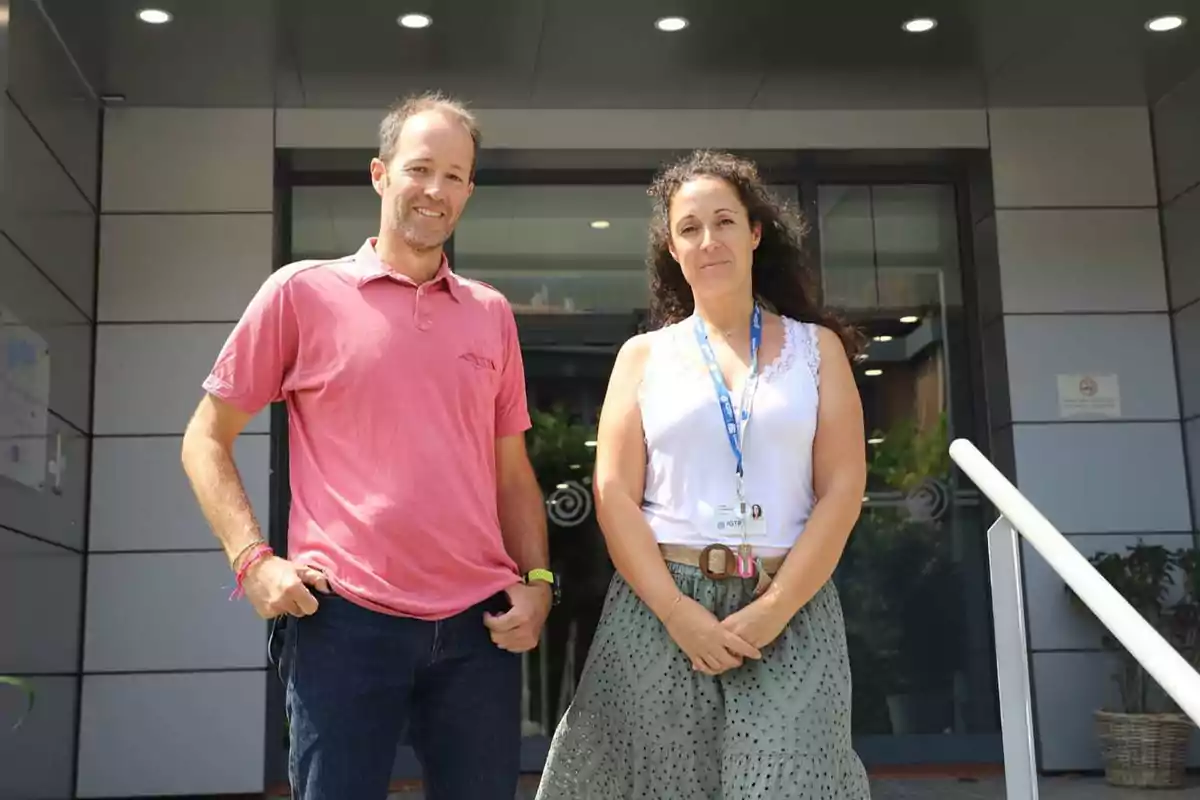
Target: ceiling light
(875, 440)
(415, 21)
(671, 24)
(872, 373)
(884, 338)
(920, 25)
(601, 224)
(154, 16)
(1168, 23)
(910, 319)
(589, 444)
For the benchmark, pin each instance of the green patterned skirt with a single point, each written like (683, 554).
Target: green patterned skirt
(644, 724)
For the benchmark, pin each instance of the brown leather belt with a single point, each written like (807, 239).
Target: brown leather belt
(717, 562)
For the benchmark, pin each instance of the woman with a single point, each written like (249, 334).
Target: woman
(709, 679)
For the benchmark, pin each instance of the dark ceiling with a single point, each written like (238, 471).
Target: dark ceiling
(770, 54)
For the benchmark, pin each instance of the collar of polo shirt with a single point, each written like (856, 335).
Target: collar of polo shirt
(371, 268)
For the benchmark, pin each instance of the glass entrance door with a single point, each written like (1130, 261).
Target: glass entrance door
(913, 580)
(914, 576)
(571, 261)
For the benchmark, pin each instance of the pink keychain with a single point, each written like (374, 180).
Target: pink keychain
(745, 562)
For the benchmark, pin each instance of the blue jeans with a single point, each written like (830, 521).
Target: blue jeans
(358, 680)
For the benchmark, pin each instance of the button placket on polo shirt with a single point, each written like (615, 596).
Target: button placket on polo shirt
(422, 321)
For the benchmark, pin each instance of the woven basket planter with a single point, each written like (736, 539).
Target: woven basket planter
(1147, 751)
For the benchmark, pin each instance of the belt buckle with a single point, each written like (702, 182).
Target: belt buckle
(730, 559)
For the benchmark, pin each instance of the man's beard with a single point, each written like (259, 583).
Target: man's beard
(420, 233)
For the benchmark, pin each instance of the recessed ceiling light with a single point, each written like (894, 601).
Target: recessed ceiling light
(920, 25)
(415, 21)
(154, 16)
(883, 338)
(601, 224)
(671, 24)
(909, 320)
(872, 373)
(1168, 23)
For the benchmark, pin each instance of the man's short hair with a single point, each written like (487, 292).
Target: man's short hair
(401, 110)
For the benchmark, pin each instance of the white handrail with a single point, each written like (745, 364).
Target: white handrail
(1163, 662)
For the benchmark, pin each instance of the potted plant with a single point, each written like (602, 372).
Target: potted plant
(1144, 744)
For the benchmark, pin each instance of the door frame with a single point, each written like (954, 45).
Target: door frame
(805, 171)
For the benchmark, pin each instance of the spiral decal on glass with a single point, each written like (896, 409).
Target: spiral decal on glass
(928, 501)
(569, 505)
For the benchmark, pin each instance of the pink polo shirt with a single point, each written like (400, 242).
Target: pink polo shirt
(396, 394)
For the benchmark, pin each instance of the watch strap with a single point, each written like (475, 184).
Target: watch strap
(546, 576)
(543, 575)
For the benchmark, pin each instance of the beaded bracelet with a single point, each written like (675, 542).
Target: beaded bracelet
(260, 551)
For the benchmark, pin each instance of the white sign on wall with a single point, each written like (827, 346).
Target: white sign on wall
(24, 402)
(1089, 395)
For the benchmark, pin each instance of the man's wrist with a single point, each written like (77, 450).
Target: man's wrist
(237, 554)
(254, 558)
(546, 578)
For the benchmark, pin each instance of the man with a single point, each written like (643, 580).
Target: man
(416, 565)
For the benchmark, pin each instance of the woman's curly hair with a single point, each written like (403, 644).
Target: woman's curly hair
(781, 277)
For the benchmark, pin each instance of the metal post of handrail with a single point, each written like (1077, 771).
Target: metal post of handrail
(1012, 662)
(1168, 668)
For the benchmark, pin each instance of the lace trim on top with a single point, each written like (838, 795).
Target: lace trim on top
(812, 351)
(668, 362)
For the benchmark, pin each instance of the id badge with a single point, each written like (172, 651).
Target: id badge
(727, 523)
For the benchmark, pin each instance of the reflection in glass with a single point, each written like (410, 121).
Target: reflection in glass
(558, 249)
(48, 218)
(49, 502)
(561, 448)
(571, 261)
(34, 313)
(913, 576)
(40, 586)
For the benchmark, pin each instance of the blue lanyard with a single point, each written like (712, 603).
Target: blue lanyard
(735, 433)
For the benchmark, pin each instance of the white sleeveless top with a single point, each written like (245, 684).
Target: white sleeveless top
(690, 467)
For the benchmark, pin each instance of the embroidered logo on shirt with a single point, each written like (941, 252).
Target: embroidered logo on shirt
(478, 361)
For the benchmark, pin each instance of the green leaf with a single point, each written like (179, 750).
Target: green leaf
(24, 686)
(558, 447)
(1144, 575)
(909, 453)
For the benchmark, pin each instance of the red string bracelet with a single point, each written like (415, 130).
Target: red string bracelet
(260, 552)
